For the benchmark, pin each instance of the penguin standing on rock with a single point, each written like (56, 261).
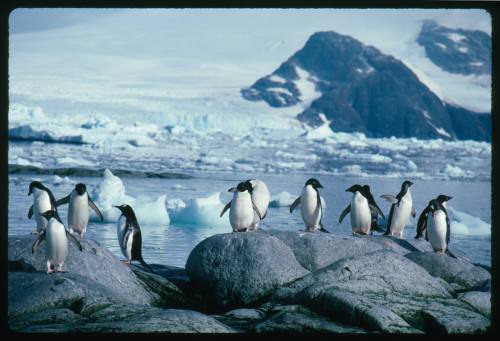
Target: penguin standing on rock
(311, 208)
(374, 209)
(129, 236)
(423, 218)
(78, 212)
(242, 208)
(361, 207)
(56, 237)
(43, 201)
(260, 197)
(401, 209)
(437, 232)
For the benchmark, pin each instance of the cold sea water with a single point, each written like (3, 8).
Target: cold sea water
(171, 244)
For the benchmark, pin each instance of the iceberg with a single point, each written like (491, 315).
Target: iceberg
(199, 211)
(111, 192)
(466, 224)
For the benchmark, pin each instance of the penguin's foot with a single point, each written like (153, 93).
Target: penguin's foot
(49, 271)
(439, 252)
(126, 261)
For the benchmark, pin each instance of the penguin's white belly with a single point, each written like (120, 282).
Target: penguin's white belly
(260, 197)
(360, 214)
(127, 252)
(436, 230)
(241, 213)
(120, 230)
(56, 247)
(41, 204)
(309, 208)
(401, 216)
(78, 214)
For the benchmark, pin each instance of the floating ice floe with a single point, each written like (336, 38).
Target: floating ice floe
(199, 211)
(24, 162)
(111, 192)
(456, 172)
(282, 199)
(26, 132)
(466, 224)
(73, 161)
(57, 180)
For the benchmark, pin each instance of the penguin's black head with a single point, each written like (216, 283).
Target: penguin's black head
(35, 184)
(435, 204)
(366, 188)
(245, 186)
(314, 183)
(443, 198)
(355, 188)
(406, 184)
(125, 209)
(80, 188)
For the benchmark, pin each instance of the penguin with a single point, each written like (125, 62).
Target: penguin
(438, 227)
(423, 218)
(43, 201)
(311, 208)
(242, 208)
(56, 237)
(374, 209)
(129, 236)
(78, 213)
(401, 209)
(361, 207)
(261, 198)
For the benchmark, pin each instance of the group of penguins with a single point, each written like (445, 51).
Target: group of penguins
(246, 209)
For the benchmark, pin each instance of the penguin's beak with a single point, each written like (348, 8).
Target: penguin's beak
(232, 189)
(410, 183)
(320, 186)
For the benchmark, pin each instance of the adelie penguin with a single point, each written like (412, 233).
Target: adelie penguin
(260, 197)
(56, 241)
(311, 208)
(423, 218)
(437, 231)
(43, 201)
(242, 208)
(374, 209)
(361, 207)
(78, 212)
(401, 209)
(129, 236)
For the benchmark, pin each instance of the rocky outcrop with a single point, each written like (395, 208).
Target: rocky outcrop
(242, 268)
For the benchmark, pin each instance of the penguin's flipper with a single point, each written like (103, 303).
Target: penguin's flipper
(96, 210)
(344, 213)
(72, 238)
(375, 208)
(225, 209)
(390, 198)
(422, 222)
(294, 204)
(30, 212)
(256, 210)
(447, 231)
(389, 221)
(40, 240)
(413, 212)
(62, 201)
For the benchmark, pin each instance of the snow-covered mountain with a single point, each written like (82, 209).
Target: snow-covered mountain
(360, 89)
(456, 50)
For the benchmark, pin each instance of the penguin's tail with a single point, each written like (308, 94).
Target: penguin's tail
(322, 229)
(144, 264)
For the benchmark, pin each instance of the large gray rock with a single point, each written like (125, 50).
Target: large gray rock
(129, 318)
(382, 291)
(461, 274)
(242, 268)
(95, 264)
(481, 301)
(316, 250)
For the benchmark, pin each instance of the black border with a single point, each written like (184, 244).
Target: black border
(9, 5)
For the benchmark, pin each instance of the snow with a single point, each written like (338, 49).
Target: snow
(321, 132)
(65, 161)
(466, 224)
(277, 79)
(281, 90)
(456, 37)
(440, 45)
(24, 162)
(203, 211)
(463, 49)
(456, 172)
(306, 87)
(110, 191)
